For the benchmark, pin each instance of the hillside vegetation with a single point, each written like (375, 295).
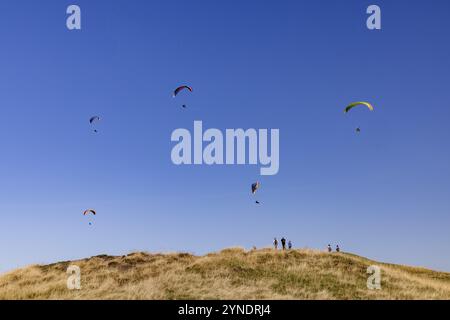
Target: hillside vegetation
(229, 274)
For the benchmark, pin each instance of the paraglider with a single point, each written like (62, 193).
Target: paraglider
(354, 104)
(255, 187)
(179, 89)
(93, 120)
(89, 211)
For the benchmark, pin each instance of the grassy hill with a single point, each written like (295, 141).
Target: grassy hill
(229, 274)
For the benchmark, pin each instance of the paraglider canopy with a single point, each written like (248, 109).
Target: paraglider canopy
(86, 212)
(255, 186)
(359, 103)
(181, 88)
(93, 119)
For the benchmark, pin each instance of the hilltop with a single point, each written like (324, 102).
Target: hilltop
(228, 274)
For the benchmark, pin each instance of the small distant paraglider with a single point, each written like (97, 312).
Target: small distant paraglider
(178, 90)
(255, 187)
(359, 103)
(93, 120)
(89, 211)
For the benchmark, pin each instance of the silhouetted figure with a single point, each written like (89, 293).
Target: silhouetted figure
(329, 248)
(337, 248)
(275, 243)
(290, 244)
(283, 243)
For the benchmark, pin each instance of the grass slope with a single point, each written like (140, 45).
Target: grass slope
(229, 274)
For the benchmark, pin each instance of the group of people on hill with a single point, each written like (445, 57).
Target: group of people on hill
(289, 245)
(283, 244)
(331, 250)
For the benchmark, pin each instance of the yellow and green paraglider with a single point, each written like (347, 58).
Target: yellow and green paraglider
(355, 104)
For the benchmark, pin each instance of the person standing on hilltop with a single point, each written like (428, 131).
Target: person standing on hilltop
(275, 243)
(329, 248)
(290, 244)
(283, 243)
(337, 248)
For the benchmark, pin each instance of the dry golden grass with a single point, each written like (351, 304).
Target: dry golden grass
(229, 274)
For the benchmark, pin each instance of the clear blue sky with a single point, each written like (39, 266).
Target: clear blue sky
(291, 65)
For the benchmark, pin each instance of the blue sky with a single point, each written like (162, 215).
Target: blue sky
(290, 65)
